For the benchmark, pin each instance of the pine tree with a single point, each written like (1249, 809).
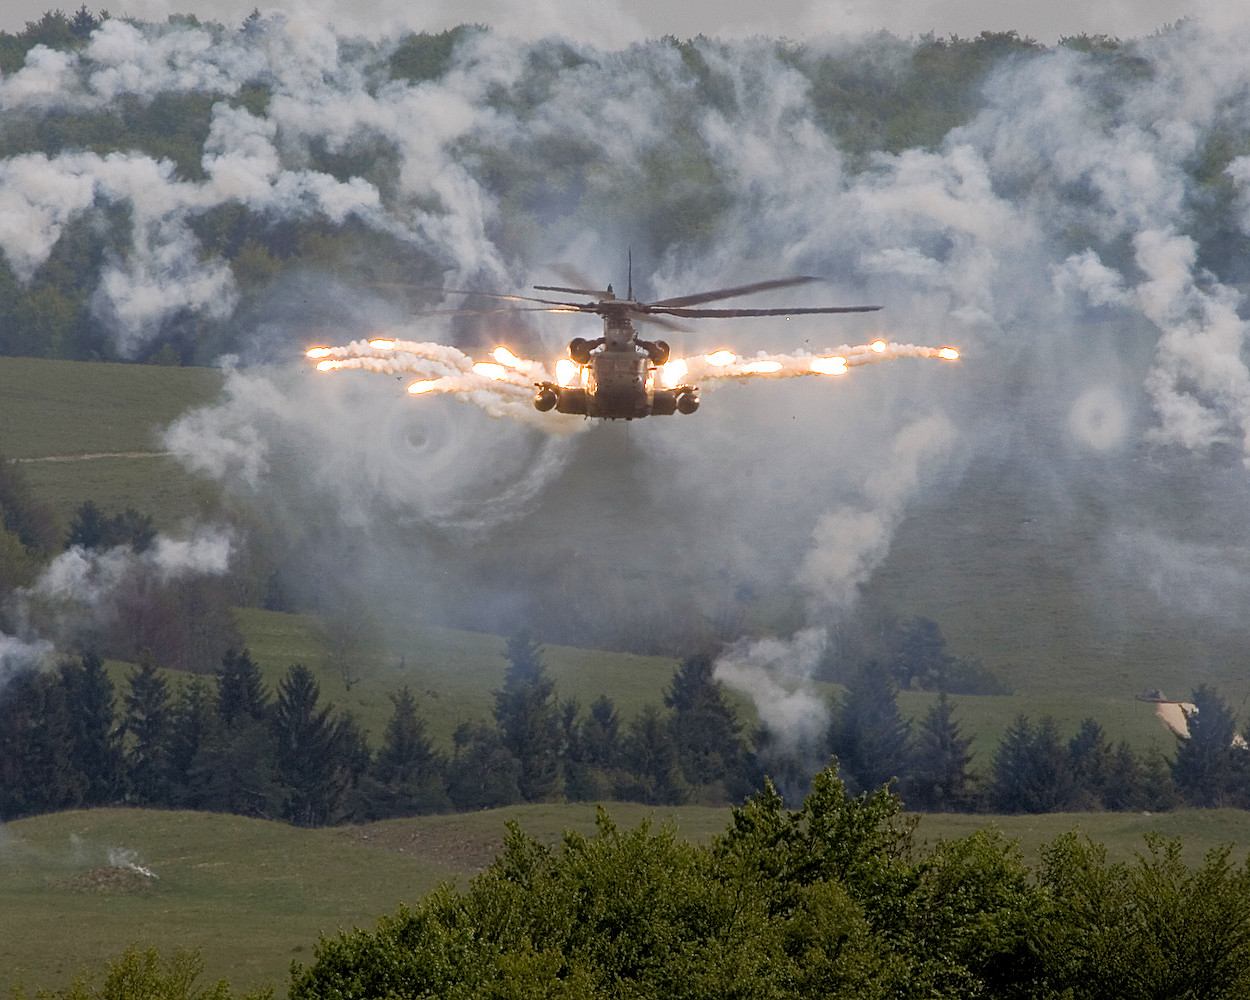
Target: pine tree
(407, 774)
(316, 757)
(1124, 789)
(240, 690)
(235, 767)
(920, 658)
(870, 738)
(37, 772)
(1206, 764)
(652, 772)
(706, 736)
(939, 776)
(1090, 759)
(97, 745)
(528, 717)
(482, 773)
(1031, 772)
(235, 770)
(601, 734)
(146, 727)
(193, 722)
(592, 751)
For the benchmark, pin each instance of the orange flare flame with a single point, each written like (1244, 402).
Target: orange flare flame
(948, 354)
(673, 372)
(326, 366)
(721, 358)
(318, 352)
(382, 344)
(830, 366)
(505, 357)
(878, 346)
(491, 371)
(425, 385)
(566, 372)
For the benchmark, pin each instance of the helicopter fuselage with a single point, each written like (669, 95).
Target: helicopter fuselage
(617, 375)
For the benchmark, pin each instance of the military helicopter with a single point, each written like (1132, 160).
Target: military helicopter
(615, 375)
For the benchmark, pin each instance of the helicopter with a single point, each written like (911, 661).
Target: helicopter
(614, 376)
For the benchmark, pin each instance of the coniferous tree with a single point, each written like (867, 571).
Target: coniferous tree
(1031, 772)
(407, 774)
(193, 723)
(241, 693)
(315, 755)
(482, 773)
(146, 729)
(235, 768)
(1124, 789)
(37, 772)
(581, 780)
(592, 751)
(706, 736)
(528, 717)
(1207, 765)
(651, 772)
(919, 658)
(869, 736)
(1089, 759)
(939, 777)
(97, 744)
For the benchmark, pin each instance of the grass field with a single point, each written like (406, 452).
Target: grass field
(454, 675)
(55, 415)
(254, 895)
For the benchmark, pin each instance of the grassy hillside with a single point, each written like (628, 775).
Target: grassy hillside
(254, 895)
(92, 431)
(453, 673)
(1000, 585)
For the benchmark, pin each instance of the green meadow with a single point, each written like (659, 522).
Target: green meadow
(77, 888)
(92, 431)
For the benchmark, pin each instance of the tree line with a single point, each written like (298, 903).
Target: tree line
(227, 745)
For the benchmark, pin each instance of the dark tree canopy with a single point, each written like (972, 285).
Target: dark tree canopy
(528, 717)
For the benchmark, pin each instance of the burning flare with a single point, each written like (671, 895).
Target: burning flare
(505, 386)
(487, 370)
(829, 366)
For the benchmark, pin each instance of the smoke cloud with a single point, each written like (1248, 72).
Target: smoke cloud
(80, 590)
(1076, 235)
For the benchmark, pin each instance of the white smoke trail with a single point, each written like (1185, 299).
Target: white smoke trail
(18, 655)
(80, 587)
(848, 544)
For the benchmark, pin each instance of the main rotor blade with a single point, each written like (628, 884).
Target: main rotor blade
(498, 295)
(598, 293)
(660, 321)
(732, 313)
(728, 293)
(495, 312)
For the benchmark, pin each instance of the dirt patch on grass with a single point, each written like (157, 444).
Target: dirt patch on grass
(454, 846)
(109, 878)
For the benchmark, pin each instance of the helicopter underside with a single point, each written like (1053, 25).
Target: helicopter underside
(614, 404)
